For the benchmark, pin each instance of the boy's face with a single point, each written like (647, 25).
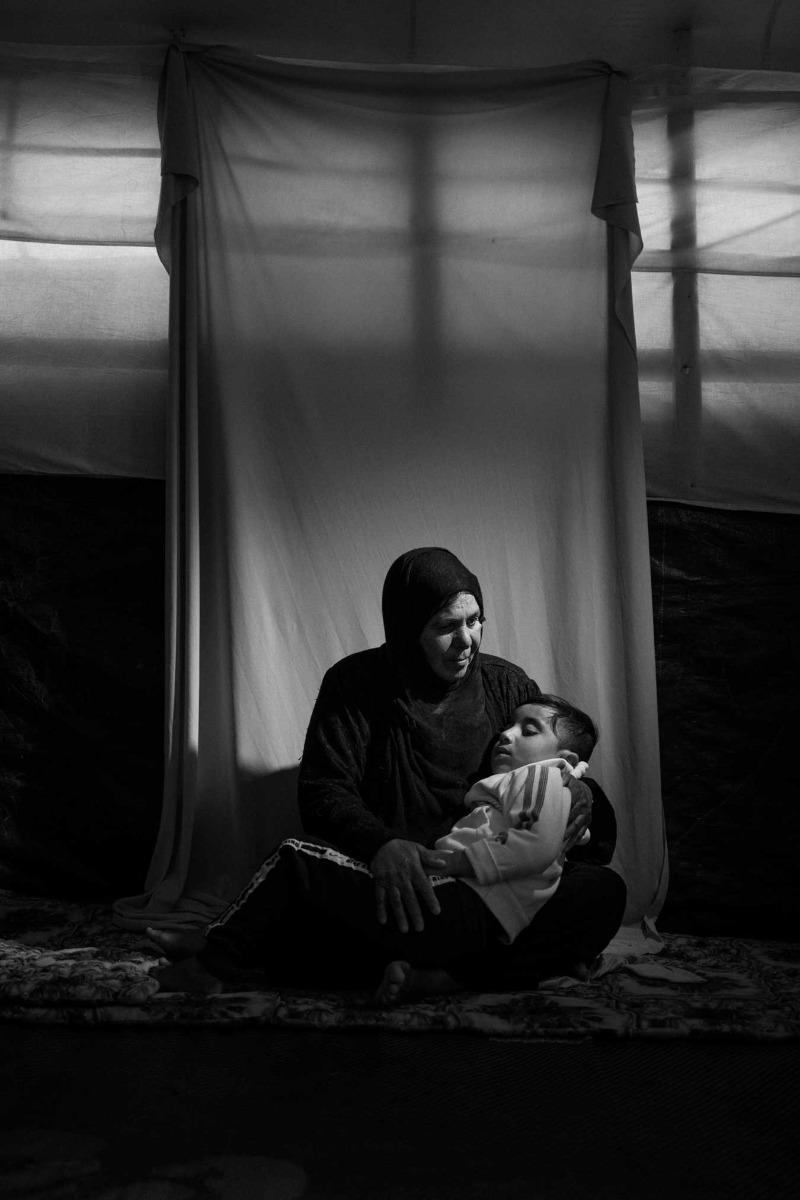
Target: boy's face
(529, 740)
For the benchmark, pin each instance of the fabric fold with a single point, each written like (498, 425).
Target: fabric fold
(180, 163)
(614, 200)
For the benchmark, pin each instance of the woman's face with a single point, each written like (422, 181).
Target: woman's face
(452, 636)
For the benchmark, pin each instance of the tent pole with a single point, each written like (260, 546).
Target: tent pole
(686, 376)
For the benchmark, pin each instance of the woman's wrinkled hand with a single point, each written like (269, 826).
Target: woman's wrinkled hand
(401, 882)
(580, 813)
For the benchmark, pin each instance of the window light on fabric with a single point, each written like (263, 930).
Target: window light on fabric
(717, 289)
(85, 299)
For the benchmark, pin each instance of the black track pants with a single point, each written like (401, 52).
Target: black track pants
(309, 904)
(308, 916)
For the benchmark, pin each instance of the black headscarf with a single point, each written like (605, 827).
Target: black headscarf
(446, 723)
(418, 585)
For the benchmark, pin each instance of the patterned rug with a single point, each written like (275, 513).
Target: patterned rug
(67, 963)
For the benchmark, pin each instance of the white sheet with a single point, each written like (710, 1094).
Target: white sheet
(390, 328)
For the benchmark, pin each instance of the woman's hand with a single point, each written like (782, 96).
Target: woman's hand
(400, 873)
(580, 813)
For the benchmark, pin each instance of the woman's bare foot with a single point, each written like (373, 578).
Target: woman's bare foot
(188, 975)
(401, 982)
(177, 944)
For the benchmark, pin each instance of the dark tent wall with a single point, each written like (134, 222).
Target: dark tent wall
(82, 648)
(81, 596)
(726, 597)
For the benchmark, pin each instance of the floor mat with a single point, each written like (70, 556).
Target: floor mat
(67, 963)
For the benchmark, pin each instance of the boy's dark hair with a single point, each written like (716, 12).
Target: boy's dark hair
(574, 729)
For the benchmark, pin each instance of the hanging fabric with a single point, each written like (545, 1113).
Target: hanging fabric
(400, 316)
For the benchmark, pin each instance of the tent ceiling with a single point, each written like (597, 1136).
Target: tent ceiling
(737, 34)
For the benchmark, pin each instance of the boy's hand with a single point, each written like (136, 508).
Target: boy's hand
(456, 864)
(580, 813)
(569, 771)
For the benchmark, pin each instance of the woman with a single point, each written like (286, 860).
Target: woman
(398, 735)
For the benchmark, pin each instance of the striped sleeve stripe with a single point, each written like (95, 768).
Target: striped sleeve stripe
(526, 816)
(543, 778)
(533, 795)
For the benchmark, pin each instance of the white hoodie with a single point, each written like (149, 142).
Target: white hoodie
(513, 837)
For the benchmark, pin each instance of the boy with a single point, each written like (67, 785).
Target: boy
(509, 848)
(502, 862)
